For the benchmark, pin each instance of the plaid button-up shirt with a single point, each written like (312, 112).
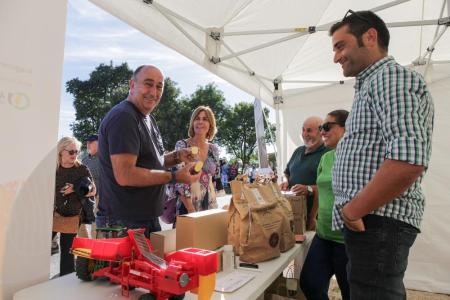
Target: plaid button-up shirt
(391, 118)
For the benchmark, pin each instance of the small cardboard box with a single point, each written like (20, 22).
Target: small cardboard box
(298, 204)
(163, 242)
(299, 225)
(204, 229)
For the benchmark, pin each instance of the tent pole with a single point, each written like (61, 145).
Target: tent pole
(314, 81)
(421, 59)
(278, 143)
(388, 5)
(327, 26)
(169, 16)
(165, 11)
(260, 134)
(430, 50)
(413, 23)
(270, 31)
(277, 100)
(264, 45)
(258, 78)
(448, 7)
(250, 72)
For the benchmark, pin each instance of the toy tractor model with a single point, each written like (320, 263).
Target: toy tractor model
(129, 261)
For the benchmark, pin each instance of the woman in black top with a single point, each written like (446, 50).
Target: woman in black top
(67, 209)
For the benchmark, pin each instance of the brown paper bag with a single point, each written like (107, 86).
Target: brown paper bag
(298, 204)
(65, 224)
(287, 230)
(255, 222)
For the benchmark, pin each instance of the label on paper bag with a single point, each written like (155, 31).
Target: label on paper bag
(259, 198)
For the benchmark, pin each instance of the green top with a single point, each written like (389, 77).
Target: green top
(326, 199)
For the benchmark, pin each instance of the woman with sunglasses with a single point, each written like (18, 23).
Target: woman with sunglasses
(67, 208)
(326, 256)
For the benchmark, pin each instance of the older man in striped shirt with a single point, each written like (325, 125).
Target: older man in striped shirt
(381, 160)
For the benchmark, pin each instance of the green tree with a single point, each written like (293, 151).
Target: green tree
(172, 115)
(93, 98)
(238, 131)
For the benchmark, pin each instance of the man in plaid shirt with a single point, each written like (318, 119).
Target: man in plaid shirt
(381, 160)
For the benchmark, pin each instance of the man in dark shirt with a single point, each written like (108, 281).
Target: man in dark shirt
(92, 163)
(132, 160)
(301, 170)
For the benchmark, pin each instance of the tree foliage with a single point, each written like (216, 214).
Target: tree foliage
(238, 131)
(108, 85)
(171, 115)
(93, 98)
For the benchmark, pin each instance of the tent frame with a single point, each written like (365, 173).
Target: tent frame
(217, 36)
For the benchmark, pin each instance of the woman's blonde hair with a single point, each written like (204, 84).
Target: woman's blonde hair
(211, 118)
(63, 143)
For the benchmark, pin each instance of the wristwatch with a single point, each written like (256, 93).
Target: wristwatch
(173, 179)
(310, 190)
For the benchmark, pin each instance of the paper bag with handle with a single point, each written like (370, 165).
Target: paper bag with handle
(287, 240)
(256, 222)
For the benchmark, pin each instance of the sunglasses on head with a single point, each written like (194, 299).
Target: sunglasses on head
(356, 14)
(327, 126)
(72, 152)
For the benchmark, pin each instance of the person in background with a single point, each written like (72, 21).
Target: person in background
(326, 256)
(92, 163)
(301, 171)
(233, 171)
(224, 170)
(200, 195)
(67, 207)
(133, 163)
(217, 180)
(381, 160)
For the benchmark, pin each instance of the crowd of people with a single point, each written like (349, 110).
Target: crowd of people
(360, 171)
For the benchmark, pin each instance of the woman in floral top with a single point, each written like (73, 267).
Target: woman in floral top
(200, 195)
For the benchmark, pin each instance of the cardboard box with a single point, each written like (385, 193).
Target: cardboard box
(298, 204)
(163, 242)
(204, 229)
(299, 225)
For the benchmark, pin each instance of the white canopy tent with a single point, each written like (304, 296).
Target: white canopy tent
(256, 45)
(280, 52)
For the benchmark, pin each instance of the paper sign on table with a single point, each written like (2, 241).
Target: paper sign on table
(232, 281)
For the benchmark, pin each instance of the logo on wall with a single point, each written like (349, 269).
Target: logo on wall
(19, 100)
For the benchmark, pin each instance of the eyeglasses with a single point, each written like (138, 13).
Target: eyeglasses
(327, 126)
(72, 152)
(356, 14)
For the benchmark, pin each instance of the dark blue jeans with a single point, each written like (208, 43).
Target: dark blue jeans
(378, 258)
(324, 259)
(150, 225)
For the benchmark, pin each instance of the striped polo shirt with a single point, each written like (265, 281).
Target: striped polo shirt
(391, 118)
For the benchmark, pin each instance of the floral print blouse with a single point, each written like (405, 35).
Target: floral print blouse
(202, 193)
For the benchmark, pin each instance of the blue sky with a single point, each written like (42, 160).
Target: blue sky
(93, 36)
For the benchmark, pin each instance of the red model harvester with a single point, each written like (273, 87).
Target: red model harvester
(129, 261)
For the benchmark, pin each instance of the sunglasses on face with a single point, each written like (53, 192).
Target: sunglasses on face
(327, 126)
(72, 152)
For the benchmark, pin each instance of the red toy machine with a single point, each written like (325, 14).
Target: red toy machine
(129, 261)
